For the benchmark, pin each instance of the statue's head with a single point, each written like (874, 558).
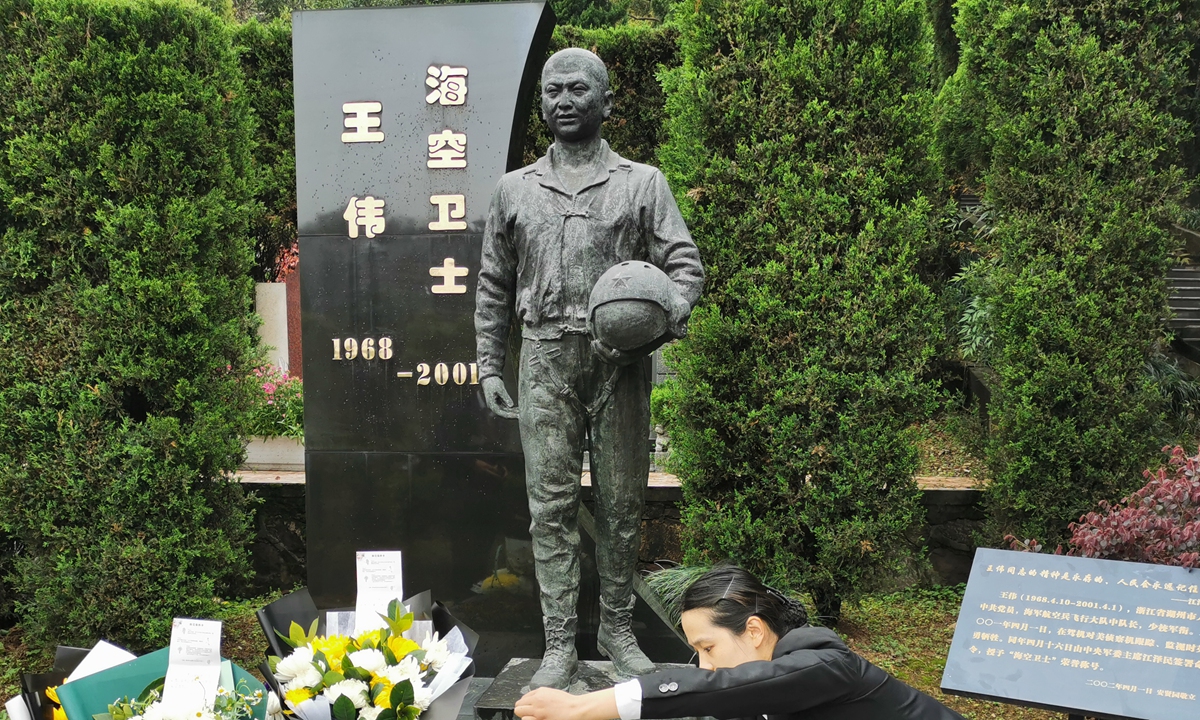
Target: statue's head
(575, 95)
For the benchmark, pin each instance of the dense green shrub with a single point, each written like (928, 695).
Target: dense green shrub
(125, 297)
(1073, 115)
(265, 54)
(580, 13)
(634, 54)
(799, 154)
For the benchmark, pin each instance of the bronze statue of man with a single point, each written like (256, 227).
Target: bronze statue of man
(553, 229)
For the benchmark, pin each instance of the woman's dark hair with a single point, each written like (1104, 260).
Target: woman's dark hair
(734, 596)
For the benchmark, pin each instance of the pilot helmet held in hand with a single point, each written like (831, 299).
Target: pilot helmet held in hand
(630, 308)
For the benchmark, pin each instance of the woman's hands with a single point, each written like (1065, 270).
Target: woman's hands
(550, 704)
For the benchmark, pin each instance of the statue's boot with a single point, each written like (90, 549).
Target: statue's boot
(616, 642)
(561, 660)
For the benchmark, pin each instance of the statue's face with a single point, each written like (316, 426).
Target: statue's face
(574, 103)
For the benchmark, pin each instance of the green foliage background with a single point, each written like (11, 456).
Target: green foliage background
(634, 55)
(799, 153)
(1075, 118)
(264, 51)
(125, 313)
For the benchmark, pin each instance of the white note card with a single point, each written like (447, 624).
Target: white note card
(193, 664)
(380, 581)
(101, 657)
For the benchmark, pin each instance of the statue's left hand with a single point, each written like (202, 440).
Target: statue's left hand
(678, 318)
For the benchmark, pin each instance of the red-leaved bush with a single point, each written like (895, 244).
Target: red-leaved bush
(1158, 524)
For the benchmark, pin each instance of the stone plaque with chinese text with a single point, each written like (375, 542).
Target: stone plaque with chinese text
(1096, 637)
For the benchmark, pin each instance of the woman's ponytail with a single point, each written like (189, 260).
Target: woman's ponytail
(733, 596)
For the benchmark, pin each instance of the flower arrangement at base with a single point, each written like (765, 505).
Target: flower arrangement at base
(229, 705)
(380, 674)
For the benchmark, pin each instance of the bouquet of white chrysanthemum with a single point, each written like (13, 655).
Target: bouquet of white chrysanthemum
(391, 673)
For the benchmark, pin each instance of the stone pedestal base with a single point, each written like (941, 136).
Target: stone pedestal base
(497, 702)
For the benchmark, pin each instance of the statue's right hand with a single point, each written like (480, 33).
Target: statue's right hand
(497, 397)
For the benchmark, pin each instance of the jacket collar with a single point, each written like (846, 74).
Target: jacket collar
(807, 638)
(606, 165)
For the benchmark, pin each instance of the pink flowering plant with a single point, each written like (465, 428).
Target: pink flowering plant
(1160, 523)
(280, 407)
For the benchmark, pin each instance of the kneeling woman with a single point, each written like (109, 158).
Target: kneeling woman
(758, 657)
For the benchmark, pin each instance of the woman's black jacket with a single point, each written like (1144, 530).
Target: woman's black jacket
(812, 676)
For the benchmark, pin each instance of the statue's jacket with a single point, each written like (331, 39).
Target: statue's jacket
(544, 248)
(812, 676)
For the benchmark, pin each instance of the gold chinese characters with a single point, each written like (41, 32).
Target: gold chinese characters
(448, 273)
(446, 149)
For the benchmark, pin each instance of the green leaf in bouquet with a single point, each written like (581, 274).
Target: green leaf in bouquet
(402, 695)
(396, 622)
(153, 691)
(389, 657)
(376, 690)
(354, 673)
(343, 709)
(387, 714)
(285, 638)
(273, 662)
(418, 654)
(409, 713)
(321, 660)
(120, 710)
(296, 635)
(332, 677)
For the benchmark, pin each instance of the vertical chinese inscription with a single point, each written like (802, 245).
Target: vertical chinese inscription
(447, 150)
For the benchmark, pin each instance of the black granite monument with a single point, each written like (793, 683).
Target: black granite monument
(405, 120)
(405, 117)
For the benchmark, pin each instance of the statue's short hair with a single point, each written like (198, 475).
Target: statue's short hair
(590, 62)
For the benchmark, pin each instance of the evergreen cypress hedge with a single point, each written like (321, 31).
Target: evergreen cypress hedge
(125, 313)
(634, 54)
(265, 54)
(798, 148)
(1074, 116)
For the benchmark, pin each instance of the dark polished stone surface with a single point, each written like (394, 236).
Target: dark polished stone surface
(401, 453)
(375, 289)
(1092, 637)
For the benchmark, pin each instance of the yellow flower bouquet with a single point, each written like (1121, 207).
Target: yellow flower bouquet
(390, 673)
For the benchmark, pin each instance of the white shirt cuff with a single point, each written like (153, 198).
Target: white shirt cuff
(629, 700)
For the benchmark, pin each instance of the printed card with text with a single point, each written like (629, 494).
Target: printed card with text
(380, 581)
(194, 663)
